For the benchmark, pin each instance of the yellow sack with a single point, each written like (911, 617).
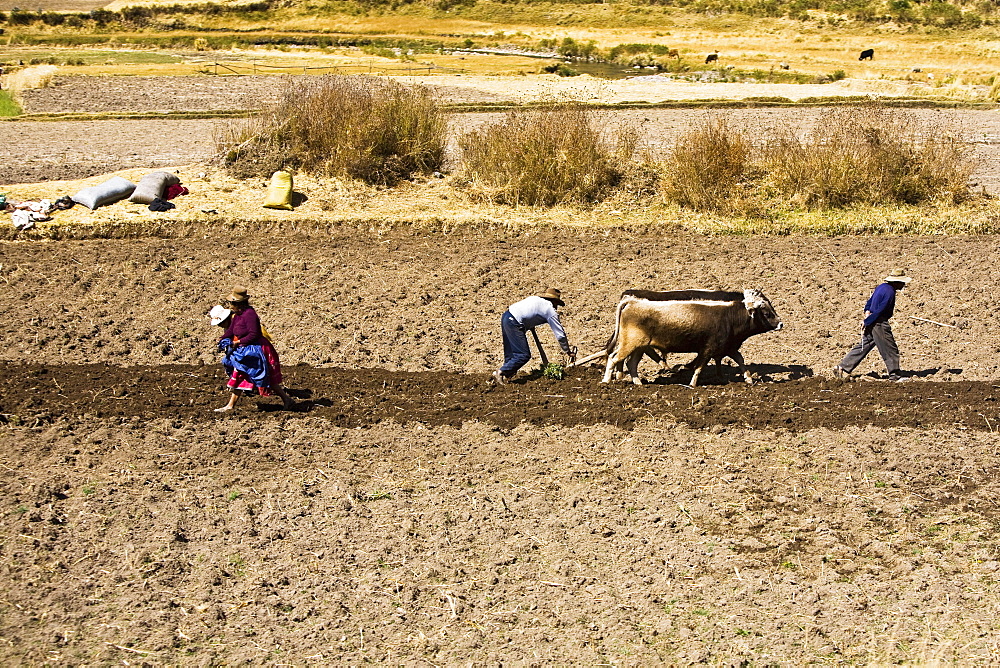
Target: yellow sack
(279, 193)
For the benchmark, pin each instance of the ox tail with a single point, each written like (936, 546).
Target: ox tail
(613, 341)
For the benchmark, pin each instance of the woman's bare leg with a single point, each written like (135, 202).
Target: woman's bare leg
(232, 403)
(287, 400)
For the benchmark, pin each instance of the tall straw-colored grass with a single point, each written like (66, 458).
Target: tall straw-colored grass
(710, 169)
(866, 155)
(545, 157)
(871, 155)
(36, 76)
(367, 128)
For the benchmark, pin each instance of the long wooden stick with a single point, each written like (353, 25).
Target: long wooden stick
(541, 351)
(935, 322)
(589, 358)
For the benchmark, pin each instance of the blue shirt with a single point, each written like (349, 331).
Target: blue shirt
(881, 304)
(535, 311)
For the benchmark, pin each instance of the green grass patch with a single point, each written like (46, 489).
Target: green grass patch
(8, 106)
(84, 57)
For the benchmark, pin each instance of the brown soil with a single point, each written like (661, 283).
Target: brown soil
(432, 302)
(408, 511)
(188, 93)
(33, 152)
(39, 394)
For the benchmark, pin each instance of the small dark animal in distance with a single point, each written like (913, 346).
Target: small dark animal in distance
(711, 58)
(916, 69)
(674, 53)
(783, 66)
(867, 54)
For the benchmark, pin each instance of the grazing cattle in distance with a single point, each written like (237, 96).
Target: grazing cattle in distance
(711, 58)
(712, 328)
(783, 66)
(867, 54)
(674, 53)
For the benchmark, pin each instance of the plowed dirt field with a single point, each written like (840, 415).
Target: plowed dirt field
(408, 511)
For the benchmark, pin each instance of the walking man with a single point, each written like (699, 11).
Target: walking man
(518, 319)
(875, 329)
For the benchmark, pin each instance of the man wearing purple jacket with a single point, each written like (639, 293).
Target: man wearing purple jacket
(875, 329)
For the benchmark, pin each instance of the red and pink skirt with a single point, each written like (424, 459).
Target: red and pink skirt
(239, 381)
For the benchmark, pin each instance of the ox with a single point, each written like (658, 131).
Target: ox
(711, 58)
(867, 54)
(656, 296)
(712, 328)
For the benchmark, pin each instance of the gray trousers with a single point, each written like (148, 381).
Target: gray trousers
(878, 336)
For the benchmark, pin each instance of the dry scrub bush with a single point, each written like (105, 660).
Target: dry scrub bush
(711, 169)
(855, 155)
(36, 76)
(546, 157)
(367, 128)
(871, 155)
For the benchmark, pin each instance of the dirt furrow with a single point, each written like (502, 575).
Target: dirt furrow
(36, 394)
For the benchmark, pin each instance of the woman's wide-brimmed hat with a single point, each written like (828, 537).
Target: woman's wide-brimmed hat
(897, 276)
(218, 314)
(238, 295)
(555, 296)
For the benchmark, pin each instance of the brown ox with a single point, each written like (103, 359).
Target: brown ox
(656, 296)
(712, 328)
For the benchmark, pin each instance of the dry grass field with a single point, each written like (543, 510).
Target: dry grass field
(52, 5)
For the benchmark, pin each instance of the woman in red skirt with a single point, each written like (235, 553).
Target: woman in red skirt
(245, 332)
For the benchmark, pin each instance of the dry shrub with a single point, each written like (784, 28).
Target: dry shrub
(545, 157)
(711, 169)
(872, 155)
(854, 155)
(361, 127)
(36, 76)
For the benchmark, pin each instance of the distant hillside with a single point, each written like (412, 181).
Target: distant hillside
(902, 14)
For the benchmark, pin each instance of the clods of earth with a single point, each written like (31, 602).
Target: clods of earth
(410, 511)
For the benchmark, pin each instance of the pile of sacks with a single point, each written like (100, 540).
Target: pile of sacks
(153, 189)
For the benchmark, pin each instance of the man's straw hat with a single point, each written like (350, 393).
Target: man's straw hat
(897, 276)
(555, 296)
